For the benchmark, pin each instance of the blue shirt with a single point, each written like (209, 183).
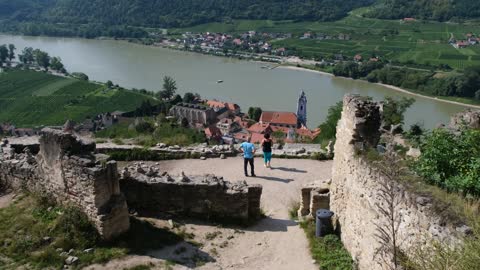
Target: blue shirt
(248, 149)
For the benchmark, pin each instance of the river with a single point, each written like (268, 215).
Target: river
(245, 82)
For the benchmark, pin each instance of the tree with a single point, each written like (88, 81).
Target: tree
(176, 99)
(169, 88)
(42, 58)
(477, 95)
(394, 110)
(109, 84)
(27, 56)
(254, 113)
(11, 52)
(80, 76)
(188, 97)
(329, 127)
(56, 64)
(3, 54)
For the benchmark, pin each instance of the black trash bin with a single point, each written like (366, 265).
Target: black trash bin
(323, 222)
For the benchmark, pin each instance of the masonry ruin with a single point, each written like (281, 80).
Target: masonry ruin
(208, 197)
(67, 170)
(354, 194)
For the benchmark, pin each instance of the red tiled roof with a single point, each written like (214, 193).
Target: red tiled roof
(232, 106)
(308, 133)
(256, 138)
(220, 104)
(282, 129)
(259, 128)
(215, 104)
(241, 135)
(286, 118)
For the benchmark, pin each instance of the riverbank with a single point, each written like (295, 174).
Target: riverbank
(295, 63)
(392, 87)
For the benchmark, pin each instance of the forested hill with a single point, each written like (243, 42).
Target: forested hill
(173, 13)
(438, 10)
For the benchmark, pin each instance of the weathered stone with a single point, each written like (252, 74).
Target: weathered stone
(65, 170)
(355, 193)
(469, 118)
(71, 260)
(206, 197)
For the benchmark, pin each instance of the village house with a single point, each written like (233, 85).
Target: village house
(228, 126)
(357, 58)
(216, 105)
(280, 119)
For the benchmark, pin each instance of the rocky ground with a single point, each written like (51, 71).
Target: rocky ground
(276, 242)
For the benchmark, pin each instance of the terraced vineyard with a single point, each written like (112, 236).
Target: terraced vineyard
(420, 42)
(29, 98)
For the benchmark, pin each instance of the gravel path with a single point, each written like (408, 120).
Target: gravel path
(276, 242)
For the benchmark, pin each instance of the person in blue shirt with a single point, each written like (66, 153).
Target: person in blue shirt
(248, 150)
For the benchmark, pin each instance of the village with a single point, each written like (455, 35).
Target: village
(471, 39)
(249, 45)
(220, 122)
(224, 122)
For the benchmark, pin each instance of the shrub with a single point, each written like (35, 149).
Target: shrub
(451, 161)
(327, 251)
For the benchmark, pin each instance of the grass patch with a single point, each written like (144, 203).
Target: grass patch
(328, 252)
(167, 132)
(35, 231)
(293, 208)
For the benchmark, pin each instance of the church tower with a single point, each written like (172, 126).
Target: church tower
(302, 110)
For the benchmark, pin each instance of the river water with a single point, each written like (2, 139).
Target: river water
(245, 82)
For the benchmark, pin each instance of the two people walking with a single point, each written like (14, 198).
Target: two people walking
(249, 150)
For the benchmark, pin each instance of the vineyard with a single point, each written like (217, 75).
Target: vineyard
(29, 98)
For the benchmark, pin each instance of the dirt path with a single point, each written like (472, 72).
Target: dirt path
(276, 242)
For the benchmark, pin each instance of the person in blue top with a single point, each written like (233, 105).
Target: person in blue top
(248, 150)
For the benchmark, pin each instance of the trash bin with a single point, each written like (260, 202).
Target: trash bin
(323, 222)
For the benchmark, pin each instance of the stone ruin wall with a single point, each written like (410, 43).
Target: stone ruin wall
(66, 170)
(355, 192)
(207, 197)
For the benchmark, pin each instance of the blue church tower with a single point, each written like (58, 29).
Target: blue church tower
(302, 110)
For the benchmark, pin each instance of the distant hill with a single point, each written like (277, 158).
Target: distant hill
(172, 13)
(438, 10)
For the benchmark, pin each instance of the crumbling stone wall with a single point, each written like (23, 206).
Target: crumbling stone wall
(207, 197)
(355, 192)
(66, 169)
(469, 118)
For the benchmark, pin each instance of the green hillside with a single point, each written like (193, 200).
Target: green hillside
(438, 10)
(420, 42)
(29, 98)
(164, 13)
